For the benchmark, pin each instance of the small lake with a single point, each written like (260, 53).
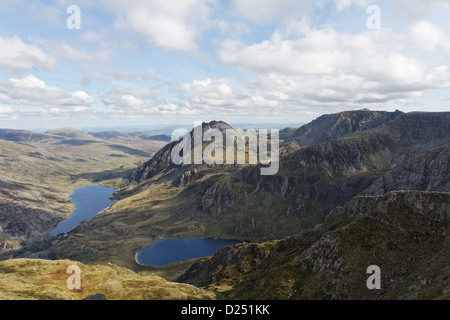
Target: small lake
(90, 200)
(166, 251)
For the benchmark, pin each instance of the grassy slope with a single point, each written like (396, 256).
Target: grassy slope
(26, 279)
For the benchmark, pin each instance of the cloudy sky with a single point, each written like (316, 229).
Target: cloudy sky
(168, 61)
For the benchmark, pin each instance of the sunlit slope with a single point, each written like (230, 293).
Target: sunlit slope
(28, 279)
(38, 172)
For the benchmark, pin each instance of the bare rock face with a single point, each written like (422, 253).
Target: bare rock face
(23, 222)
(338, 125)
(20, 224)
(185, 178)
(428, 172)
(162, 160)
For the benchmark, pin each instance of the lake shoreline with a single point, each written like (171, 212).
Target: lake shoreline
(88, 201)
(208, 245)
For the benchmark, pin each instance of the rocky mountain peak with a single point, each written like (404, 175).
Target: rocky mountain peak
(338, 125)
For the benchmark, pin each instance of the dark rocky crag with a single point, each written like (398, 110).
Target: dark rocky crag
(405, 233)
(161, 162)
(338, 125)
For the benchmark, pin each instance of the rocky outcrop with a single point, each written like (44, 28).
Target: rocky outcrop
(185, 178)
(25, 223)
(161, 162)
(429, 171)
(338, 125)
(404, 233)
(418, 131)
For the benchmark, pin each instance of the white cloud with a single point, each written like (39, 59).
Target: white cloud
(16, 56)
(337, 68)
(6, 109)
(418, 9)
(163, 24)
(34, 92)
(318, 53)
(82, 109)
(128, 98)
(425, 35)
(225, 95)
(208, 91)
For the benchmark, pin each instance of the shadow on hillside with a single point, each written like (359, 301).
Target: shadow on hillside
(77, 142)
(99, 176)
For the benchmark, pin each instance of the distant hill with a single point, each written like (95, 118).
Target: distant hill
(159, 137)
(70, 133)
(27, 136)
(116, 135)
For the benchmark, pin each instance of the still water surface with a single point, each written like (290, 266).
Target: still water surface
(90, 200)
(166, 251)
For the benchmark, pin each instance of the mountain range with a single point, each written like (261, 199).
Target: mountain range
(355, 188)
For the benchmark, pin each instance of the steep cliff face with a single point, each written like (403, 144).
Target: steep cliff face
(162, 163)
(429, 171)
(338, 125)
(418, 131)
(405, 233)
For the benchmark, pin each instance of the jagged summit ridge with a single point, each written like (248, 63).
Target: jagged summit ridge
(337, 125)
(162, 160)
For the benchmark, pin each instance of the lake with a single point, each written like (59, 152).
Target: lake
(90, 200)
(166, 251)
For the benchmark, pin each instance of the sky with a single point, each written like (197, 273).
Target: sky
(69, 63)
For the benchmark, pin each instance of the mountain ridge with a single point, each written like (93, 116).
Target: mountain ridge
(236, 202)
